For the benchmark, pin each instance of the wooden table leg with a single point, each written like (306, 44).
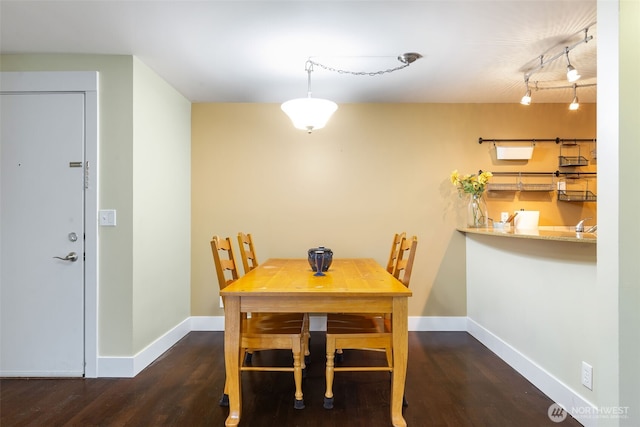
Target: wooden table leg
(232, 358)
(400, 355)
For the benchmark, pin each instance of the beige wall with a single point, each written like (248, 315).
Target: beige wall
(629, 291)
(161, 206)
(374, 170)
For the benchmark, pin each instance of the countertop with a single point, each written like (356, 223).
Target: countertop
(555, 233)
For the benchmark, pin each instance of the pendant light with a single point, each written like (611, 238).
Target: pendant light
(314, 113)
(309, 113)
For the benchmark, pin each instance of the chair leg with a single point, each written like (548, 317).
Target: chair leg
(328, 395)
(404, 397)
(224, 399)
(297, 377)
(307, 344)
(303, 358)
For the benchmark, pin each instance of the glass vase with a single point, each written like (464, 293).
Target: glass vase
(477, 211)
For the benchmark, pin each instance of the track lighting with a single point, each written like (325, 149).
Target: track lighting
(574, 104)
(572, 73)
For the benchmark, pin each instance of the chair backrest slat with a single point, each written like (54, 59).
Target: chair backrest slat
(224, 260)
(395, 250)
(247, 252)
(406, 256)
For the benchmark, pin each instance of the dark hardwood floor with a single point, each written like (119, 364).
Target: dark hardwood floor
(452, 380)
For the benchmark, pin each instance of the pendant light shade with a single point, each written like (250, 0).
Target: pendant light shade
(309, 113)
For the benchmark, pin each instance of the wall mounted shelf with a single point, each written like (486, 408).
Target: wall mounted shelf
(570, 155)
(566, 161)
(544, 182)
(524, 181)
(577, 196)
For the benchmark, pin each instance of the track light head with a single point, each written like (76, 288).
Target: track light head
(574, 104)
(572, 73)
(526, 99)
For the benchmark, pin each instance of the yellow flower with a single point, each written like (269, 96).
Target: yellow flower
(454, 177)
(470, 184)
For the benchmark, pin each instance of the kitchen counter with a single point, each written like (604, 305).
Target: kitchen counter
(559, 234)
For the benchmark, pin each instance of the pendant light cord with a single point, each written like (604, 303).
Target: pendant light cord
(406, 59)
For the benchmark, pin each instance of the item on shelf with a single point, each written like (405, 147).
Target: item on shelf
(514, 153)
(526, 220)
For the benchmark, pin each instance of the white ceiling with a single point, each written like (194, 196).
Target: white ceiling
(475, 51)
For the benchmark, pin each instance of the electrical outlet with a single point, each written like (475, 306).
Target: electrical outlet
(587, 375)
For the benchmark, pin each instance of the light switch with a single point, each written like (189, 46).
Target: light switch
(107, 217)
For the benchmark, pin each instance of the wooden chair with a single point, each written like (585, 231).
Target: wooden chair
(404, 263)
(391, 265)
(247, 252)
(262, 333)
(249, 262)
(395, 249)
(366, 332)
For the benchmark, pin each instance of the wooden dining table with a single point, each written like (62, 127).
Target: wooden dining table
(354, 285)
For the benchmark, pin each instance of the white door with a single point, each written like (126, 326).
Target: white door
(42, 234)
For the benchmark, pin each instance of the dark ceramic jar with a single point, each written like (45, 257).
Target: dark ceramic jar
(325, 256)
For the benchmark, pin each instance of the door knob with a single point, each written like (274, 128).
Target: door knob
(71, 256)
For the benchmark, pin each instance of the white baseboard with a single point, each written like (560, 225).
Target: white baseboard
(207, 323)
(438, 323)
(130, 366)
(555, 389)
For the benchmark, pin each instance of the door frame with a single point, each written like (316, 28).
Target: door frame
(85, 82)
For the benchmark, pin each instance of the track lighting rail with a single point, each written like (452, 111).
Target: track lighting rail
(543, 62)
(572, 74)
